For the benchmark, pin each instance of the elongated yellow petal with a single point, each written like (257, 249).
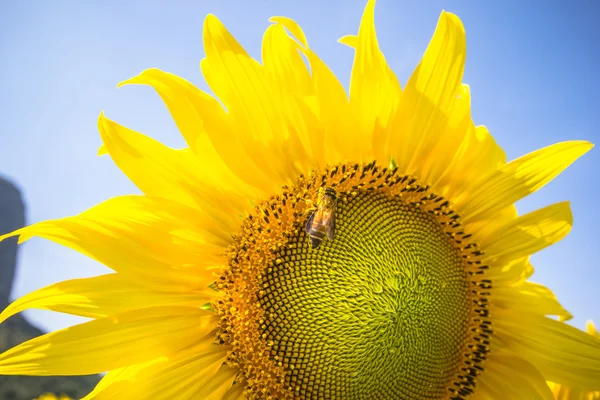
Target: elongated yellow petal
(292, 84)
(218, 385)
(511, 377)
(116, 376)
(156, 169)
(477, 155)
(141, 379)
(349, 40)
(182, 376)
(101, 296)
(484, 229)
(514, 272)
(160, 171)
(429, 96)
(122, 377)
(283, 63)
(440, 71)
(591, 329)
(98, 345)
(530, 297)
(333, 108)
(374, 90)
(195, 114)
(235, 392)
(160, 242)
(449, 146)
(239, 81)
(562, 392)
(518, 179)
(193, 111)
(570, 392)
(528, 234)
(102, 150)
(561, 352)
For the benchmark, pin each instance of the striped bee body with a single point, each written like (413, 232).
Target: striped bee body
(321, 222)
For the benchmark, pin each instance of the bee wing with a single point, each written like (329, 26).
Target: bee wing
(330, 228)
(309, 222)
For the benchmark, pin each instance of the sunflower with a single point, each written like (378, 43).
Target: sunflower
(307, 245)
(563, 392)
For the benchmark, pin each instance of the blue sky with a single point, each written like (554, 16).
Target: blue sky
(532, 71)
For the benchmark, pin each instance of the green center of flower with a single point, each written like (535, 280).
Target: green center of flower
(394, 307)
(379, 312)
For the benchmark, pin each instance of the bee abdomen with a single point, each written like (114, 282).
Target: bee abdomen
(316, 237)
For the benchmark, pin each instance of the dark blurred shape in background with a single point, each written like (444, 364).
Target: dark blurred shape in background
(17, 329)
(12, 216)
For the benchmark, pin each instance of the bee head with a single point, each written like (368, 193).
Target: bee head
(330, 192)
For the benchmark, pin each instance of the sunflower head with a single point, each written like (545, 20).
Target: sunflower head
(344, 313)
(309, 244)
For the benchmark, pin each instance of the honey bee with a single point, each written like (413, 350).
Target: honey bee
(322, 220)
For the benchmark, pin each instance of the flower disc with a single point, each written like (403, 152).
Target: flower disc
(384, 310)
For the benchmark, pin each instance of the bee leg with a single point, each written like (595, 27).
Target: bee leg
(310, 206)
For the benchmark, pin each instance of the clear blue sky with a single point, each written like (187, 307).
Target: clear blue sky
(533, 73)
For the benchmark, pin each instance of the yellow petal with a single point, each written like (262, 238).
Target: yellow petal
(159, 242)
(111, 342)
(193, 111)
(482, 152)
(283, 63)
(374, 90)
(349, 40)
(263, 135)
(219, 384)
(569, 392)
(195, 114)
(333, 108)
(477, 155)
(562, 392)
(115, 376)
(440, 165)
(235, 392)
(508, 376)
(486, 228)
(291, 82)
(531, 297)
(514, 272)
(184, 376)
(102, 150)
(518, 179)
(156, 169)
(429, 97)
(101, 296)
(527, 234)
(591, 329)
(164, 172)
(561, 352)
